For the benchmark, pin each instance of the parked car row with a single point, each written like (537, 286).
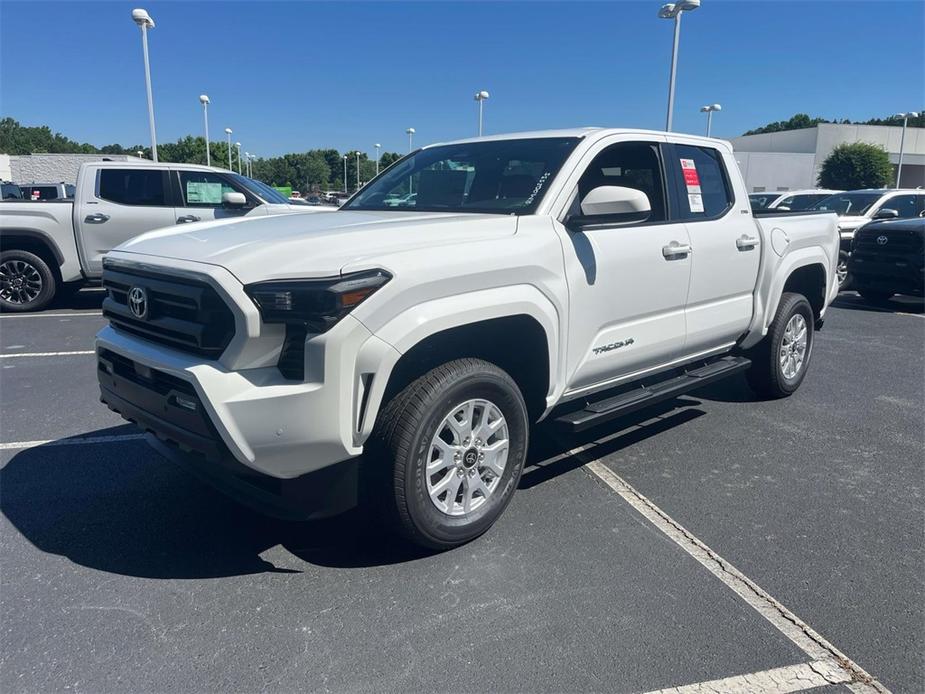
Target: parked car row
(855, 209)
(53, 245)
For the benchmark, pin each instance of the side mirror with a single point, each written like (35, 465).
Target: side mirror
(233, 199)
(612, 205)
(886, 213)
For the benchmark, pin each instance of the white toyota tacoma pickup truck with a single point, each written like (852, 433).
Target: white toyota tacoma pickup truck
(47, 246)
(570, 275)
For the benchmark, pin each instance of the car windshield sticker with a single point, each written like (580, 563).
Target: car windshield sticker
(203, 193)
(692, 181)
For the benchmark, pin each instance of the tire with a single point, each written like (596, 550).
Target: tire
(845, 278)
(875, 296)
(475, 495)
(26, 282)
(770, 373)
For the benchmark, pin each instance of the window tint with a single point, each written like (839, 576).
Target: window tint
(630, 165)
(906, 205)
(203, 188)
(798, 203)
(704, 190)
(143, 187)
(760, 201)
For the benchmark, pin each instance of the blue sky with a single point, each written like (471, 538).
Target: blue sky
(290, 76)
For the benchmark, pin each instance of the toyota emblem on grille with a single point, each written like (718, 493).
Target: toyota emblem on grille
(881, 240)
(138, 302)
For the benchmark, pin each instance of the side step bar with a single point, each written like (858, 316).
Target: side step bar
(602, 411)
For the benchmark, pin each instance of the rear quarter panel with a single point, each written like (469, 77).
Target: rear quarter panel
(51, 222)
(791, 242)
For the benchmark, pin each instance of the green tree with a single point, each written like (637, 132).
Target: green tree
(796, 122)
(854, 166)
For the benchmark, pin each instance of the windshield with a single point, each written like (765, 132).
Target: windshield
(498, 177)
(844, 204)
(261, 190)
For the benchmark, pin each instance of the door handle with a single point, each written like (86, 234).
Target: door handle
(187, 218)
(96, 218)
(745, 243)
(675, 249)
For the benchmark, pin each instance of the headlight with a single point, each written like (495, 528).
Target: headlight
(317, 304)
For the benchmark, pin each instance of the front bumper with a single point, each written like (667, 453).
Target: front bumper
(274, 426)
(902, 276)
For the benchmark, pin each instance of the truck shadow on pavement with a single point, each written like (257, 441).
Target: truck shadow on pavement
(898, 304)
(119, 507)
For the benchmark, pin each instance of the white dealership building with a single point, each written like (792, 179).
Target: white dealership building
(791, 159)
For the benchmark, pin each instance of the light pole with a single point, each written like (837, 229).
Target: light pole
(345, 173)
(902, 142)
(228, 133)
(141, 155)
(144, 22)
(673, 11)
(378, 147)
(358, 169)
(238, 147)
(204, 100)
(247, 164)
(481, 97)
(709, 111)
(410, 132)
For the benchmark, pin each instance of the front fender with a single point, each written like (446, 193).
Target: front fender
(419, 322)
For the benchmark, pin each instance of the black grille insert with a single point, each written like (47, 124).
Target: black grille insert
(185, 314)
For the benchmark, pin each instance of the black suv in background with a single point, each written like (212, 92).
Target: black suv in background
(888, 257)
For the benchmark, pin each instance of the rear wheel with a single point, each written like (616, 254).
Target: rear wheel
(456, 441)
(26, 282)
(780, 361)
(875, 296)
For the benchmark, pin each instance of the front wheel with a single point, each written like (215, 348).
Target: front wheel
(841, 272)
(456, 442)
(780, 361)
(26, 282)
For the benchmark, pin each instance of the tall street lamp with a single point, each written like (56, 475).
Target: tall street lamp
(674, 10)
(410, 132)
(345, 173)
(247, 164)
(204, 100)
(902, 142)
(144, 22)
(238, 147)
(228, 132)
(378, 147)
(481, 97)
(709, 111)
(141, 155)
(358, 169)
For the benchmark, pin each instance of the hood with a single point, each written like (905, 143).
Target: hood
(313, 245)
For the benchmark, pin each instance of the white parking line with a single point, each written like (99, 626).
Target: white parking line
(50, 315)
(785, 621)
(793, 678)
(16, 445)
(46, 354)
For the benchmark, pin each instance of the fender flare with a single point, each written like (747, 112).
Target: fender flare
(773, 289)
(410, 327)
(37, 236)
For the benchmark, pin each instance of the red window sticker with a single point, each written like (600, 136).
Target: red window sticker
(692, 182)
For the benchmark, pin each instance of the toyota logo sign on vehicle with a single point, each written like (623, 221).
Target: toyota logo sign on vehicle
(881, 240)
(138, 302)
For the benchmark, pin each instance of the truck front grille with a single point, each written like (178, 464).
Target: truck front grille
(182, 313)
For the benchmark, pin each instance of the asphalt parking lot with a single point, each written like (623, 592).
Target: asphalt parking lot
(718, 537)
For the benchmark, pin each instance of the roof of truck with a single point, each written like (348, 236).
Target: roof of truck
(147, 163)
(575, 132)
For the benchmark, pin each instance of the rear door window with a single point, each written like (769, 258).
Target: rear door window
(137, 187)
(704, 187)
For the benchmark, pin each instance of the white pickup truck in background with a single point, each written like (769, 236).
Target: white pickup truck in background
(571, 275)
(48, 246)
